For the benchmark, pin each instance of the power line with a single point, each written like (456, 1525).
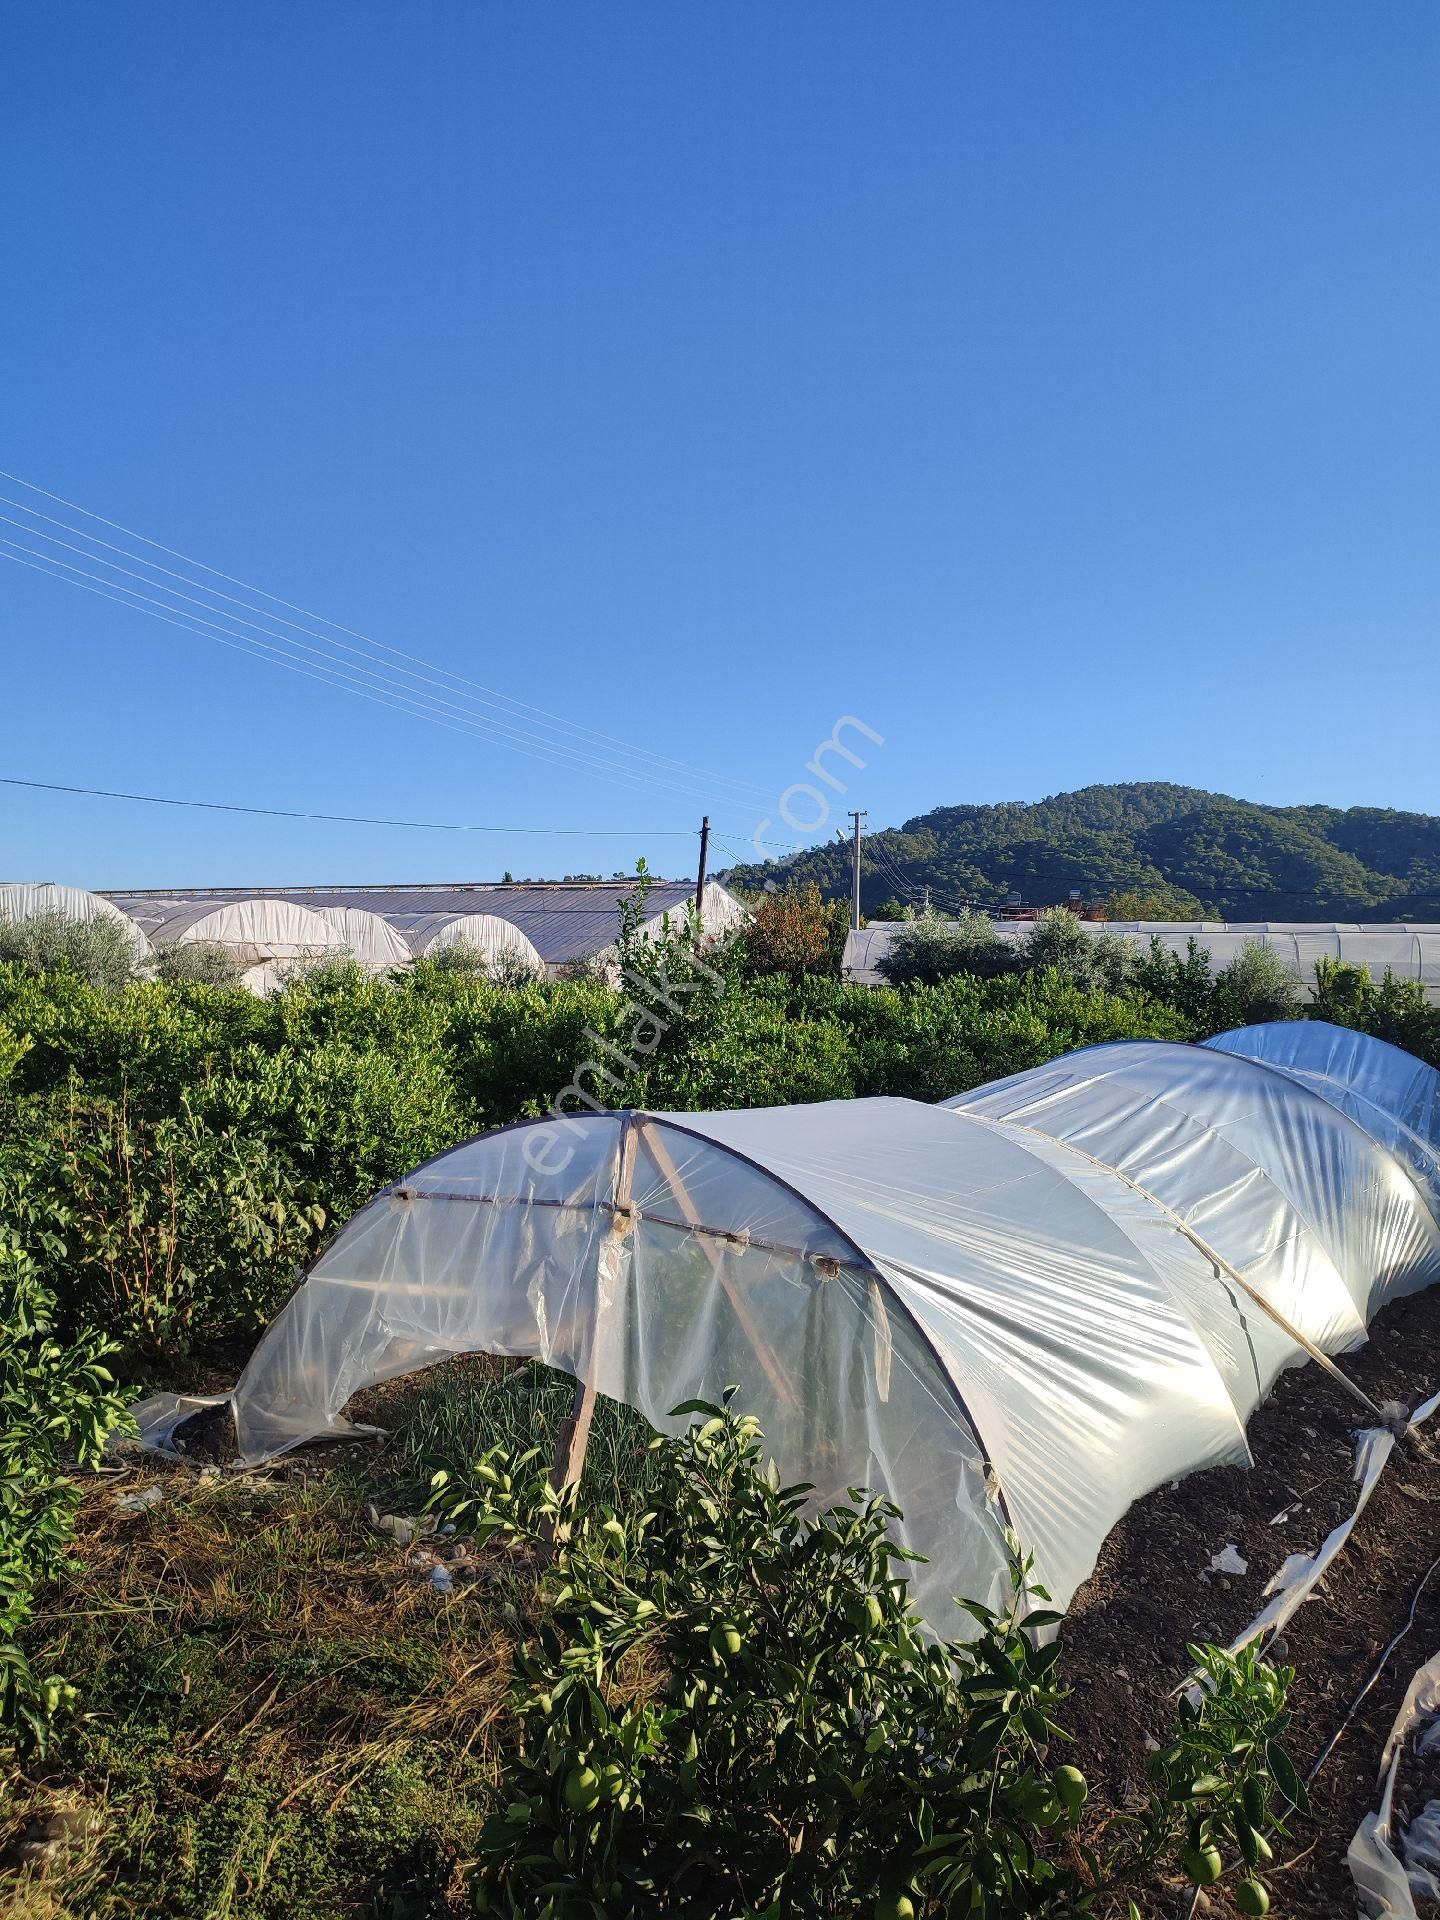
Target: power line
(351, 819)
(490, 695)
(341, 674)
(337, 673)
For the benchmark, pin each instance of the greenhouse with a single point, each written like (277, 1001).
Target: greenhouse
(28, 900)
(1409, 952)
(497, 942)
(369, 940)
(1021, 1309)
(256, 930)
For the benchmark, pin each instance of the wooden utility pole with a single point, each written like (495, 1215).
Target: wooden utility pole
(855, 876)
(704, 857)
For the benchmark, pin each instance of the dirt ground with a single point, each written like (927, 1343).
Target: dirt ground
(1124, 1642)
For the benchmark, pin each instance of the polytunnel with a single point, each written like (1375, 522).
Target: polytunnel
(256, 930)
(497, 941)
(1390, 1093)
(368, 938)
(1024, 1308)
(27, 900)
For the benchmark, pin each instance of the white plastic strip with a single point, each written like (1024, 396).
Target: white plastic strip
(1377, 1870)
(1298, 1578)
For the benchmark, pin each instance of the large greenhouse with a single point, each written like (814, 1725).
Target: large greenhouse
(1410, 951)
(540, 927)
(1022, 1309)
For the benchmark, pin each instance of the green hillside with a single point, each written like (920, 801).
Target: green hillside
(1213, 856)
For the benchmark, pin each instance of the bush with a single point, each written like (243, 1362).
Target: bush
(1185, 985)
(927, 950)
(731, 1708)
(795, 931)
(54, 1397)
(1395, 1010)
(159, 1230)
(98, 951)
(207, 961)
(1256, 986)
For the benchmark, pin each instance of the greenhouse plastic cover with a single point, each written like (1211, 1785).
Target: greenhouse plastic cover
(1026, 1307)
(24, 900)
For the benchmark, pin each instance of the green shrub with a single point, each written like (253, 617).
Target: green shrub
(209, 961)
(1256, 986)
(54, 1397)
(926, 950)
(731, 1708)
(98, 951)
(1394, 1010)
(159, 1230)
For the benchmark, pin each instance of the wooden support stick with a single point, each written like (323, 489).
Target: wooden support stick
(574, 1436)
(764, 1352)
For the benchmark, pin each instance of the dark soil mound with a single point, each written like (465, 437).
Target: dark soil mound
(208, 1437)
(1152, 1591)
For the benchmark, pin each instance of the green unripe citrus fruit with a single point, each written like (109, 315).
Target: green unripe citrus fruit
(582, 1789)
(1203, 1864)
(1251, 1897)
(1070, 1785)
(612, 1782)
(894, 1906)
(725, 1640)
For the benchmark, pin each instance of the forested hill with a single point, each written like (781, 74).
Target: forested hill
(1193, 854)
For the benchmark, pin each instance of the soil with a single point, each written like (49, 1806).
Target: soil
(1151, 1593)
(208, 1437)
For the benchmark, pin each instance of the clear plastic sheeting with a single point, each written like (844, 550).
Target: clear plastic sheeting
(1391, 1094)
(479, 1250)
(1408, 951)
(1388, 1883)
(1029, 1306)
(1319, 1217)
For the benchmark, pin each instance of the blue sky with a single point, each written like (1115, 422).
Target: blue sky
(1052, 387)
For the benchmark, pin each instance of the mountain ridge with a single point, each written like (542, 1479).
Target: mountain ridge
(1207, 855)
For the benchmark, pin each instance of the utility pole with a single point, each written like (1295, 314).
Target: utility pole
(855, 874)
(704, 857)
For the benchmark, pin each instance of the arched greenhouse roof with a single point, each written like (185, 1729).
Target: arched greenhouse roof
(496, 940)
(1390, 1093)
(1025, 1307)
(26, 900)
(367, 937)
(255, 929)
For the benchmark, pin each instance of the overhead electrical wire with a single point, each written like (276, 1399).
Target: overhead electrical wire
(353, 819)
(342, 674)
(595, 743)
(358, 819)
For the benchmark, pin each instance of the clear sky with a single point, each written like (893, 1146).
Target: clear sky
(1051, 386)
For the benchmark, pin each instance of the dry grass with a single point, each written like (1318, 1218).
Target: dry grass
(281, 1715)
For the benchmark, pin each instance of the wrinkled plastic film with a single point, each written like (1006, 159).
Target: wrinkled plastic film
(1381, 1876)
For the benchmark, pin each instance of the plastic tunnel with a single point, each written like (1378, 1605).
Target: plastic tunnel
(1028, 1306)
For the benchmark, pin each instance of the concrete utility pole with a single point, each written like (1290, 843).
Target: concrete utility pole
(704, 857)
(855, 874)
